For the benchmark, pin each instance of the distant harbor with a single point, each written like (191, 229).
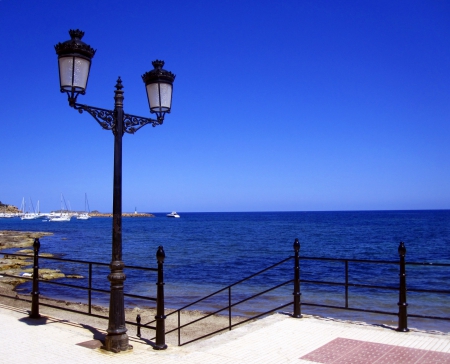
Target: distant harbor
(124, 214)
(11, 211)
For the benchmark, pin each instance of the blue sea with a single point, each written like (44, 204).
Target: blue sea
(207, 251)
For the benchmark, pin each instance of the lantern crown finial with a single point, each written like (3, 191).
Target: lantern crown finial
(158, 74)
(76, 33)
(158, 64)
(75, 45)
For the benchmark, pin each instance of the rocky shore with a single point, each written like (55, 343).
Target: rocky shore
(8, 209)
(13, 268)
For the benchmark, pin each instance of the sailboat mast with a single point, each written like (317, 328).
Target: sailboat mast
(86, 203)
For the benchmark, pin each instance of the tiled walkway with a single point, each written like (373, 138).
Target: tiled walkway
(275, 339)
(341, 351)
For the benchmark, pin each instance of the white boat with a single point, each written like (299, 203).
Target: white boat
(173, 214)
(85, 215)
(31, 215)
(62, 215)
(6, 215)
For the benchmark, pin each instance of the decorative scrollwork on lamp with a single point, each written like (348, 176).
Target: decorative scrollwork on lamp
(133, 123)
(104, 117)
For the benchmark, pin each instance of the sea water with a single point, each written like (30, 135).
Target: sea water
(208, 251)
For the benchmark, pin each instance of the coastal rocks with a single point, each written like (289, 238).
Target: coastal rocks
(12, 267)
(13, 264)
(75, 276)
(19, 239)
(46, 274)
(8, 209)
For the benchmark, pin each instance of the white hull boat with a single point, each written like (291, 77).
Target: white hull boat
(173, 214)
(6, 215)
(62, 217)
(84, 215)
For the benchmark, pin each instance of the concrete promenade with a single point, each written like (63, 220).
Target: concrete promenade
(274, 339)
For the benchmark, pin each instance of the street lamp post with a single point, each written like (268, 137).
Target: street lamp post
(74, 61)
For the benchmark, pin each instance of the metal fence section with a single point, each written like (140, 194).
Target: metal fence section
(36, 281)
(297, 303)
(339, 279)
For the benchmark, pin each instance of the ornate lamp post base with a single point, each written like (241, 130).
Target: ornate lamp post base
(117, 343)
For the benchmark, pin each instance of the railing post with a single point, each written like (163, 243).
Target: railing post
(90, 290)
(179, 330)
(229, 308)
(160, 317)
(346, 283)
(138, 321)
(35, 292)
(297, 303)
(402, 305)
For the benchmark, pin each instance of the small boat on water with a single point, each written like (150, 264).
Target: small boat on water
(6, 215)
(31, 215)
(85, 215)
(173, 214)
(60, 217)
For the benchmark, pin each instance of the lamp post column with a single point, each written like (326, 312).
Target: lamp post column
(117, 339)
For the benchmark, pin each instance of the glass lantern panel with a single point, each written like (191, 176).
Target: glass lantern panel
(73, 77)
(81, 73)
(157, 104)
(153, 96)
(166, 96)
(65, 72)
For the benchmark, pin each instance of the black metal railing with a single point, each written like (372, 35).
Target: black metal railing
(296, 302)
(284, 278)
(230, 305)
(36, 281)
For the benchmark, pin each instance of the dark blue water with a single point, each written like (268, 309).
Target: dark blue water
(207, 251)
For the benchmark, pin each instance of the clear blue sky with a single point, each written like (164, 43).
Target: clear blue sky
(278, 105)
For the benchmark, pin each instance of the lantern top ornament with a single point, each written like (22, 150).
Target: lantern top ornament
(75, 45)
(158, 74)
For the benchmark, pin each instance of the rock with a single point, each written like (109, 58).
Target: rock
(6, 264)
(76, 276)
(19, 239)
(48, 276)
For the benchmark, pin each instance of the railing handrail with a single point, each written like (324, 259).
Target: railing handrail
(374, 261)
(79, 261)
